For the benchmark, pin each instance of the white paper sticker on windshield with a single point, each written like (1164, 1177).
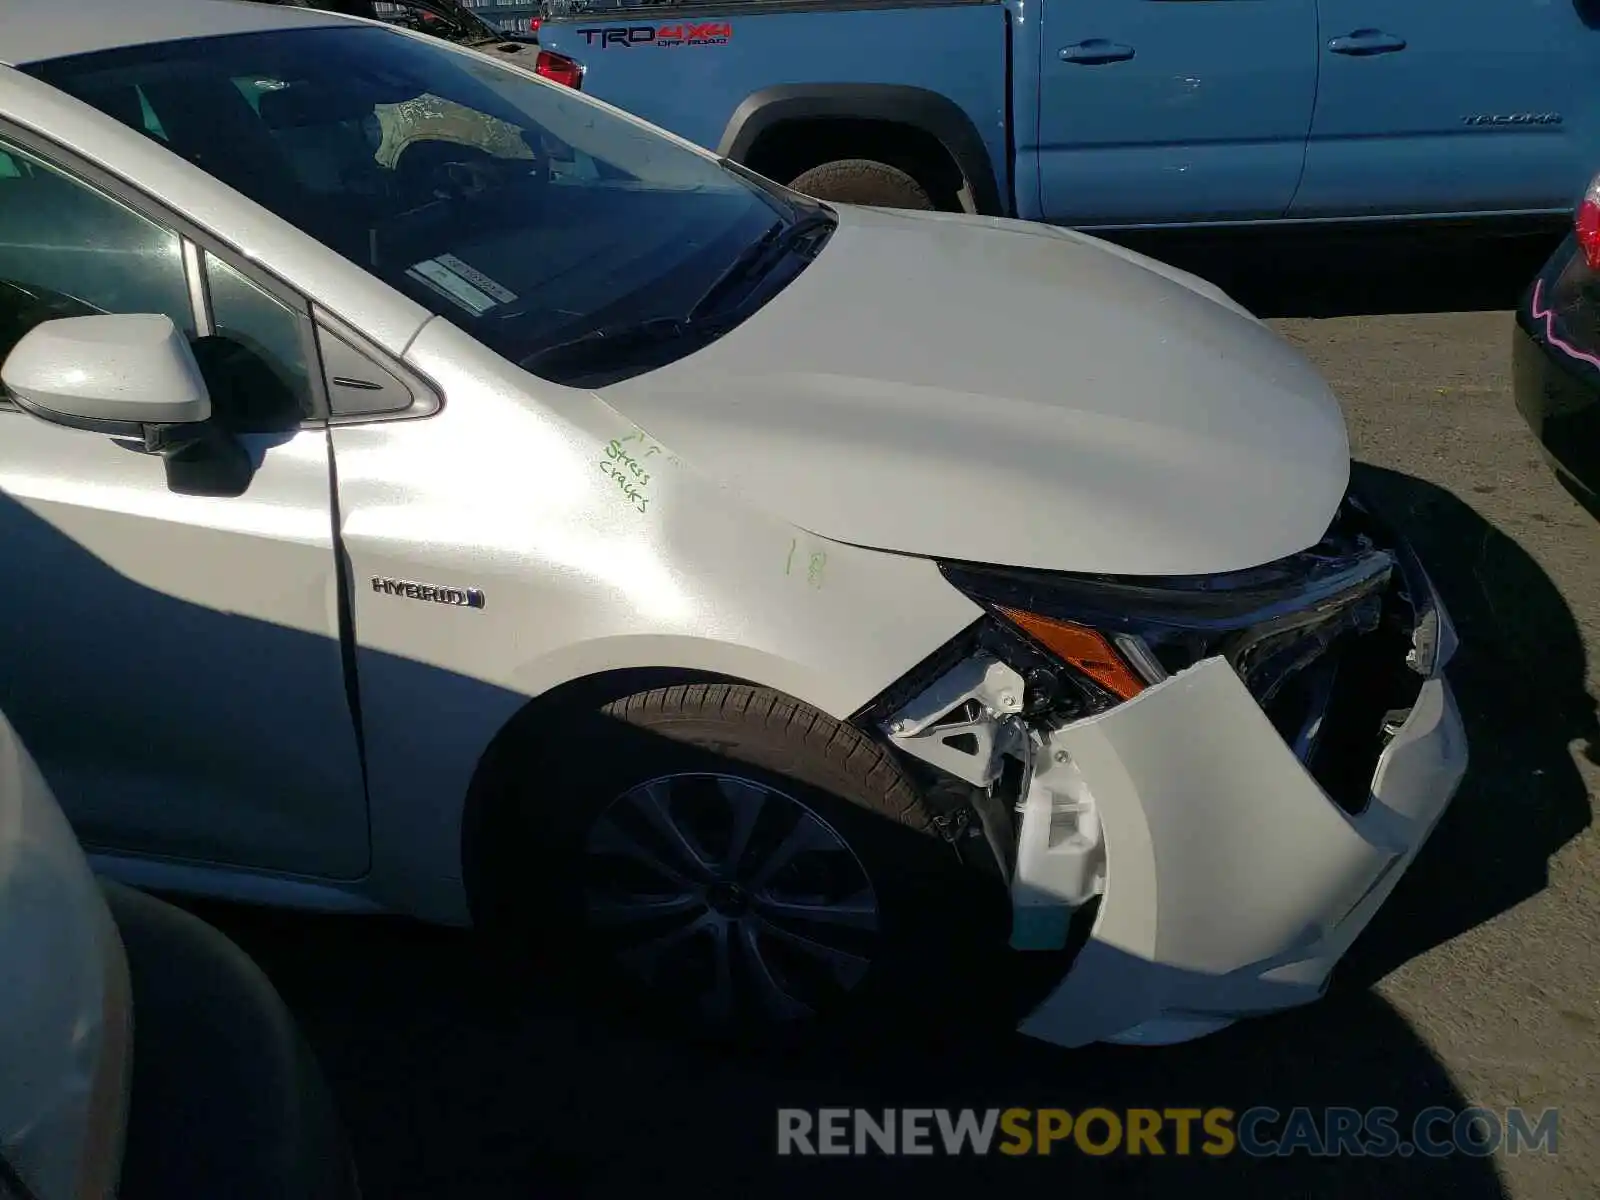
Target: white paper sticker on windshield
(443, 279)
(476, 277)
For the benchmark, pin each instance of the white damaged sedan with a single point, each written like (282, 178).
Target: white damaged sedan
(434, 491)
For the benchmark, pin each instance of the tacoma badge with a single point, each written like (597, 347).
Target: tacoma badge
(1528, 118)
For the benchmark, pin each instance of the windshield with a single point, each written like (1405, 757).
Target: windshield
(512, 207)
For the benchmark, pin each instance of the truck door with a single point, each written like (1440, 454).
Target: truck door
(1173, 111)
(1424, 107)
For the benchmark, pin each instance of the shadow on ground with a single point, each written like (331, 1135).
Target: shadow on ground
(1351, 273)
(456, 1084)
(1519, 678)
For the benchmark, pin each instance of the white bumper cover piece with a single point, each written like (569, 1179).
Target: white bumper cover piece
(1233, 884)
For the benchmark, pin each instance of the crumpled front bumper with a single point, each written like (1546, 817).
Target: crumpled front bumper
(1233, 882)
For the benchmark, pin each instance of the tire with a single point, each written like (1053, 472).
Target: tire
(874, 911)
(863, 181)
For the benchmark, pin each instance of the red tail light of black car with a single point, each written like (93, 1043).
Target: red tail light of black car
(558, 68)
(1587, 224)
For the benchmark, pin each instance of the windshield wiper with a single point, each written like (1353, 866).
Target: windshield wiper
(762, 255)
(612, 343)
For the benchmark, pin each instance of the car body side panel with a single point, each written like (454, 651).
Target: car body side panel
(477, 682)
(222, 608)
(155, 626)
(1233, 883)
(530, 505)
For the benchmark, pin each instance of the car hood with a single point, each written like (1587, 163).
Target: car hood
(1002, 392)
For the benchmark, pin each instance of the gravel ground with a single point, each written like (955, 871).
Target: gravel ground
(1478, 983)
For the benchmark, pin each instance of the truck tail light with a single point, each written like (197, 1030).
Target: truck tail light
(558, 68)
(1587, 224)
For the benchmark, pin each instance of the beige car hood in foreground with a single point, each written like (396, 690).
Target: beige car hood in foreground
(1003, 392)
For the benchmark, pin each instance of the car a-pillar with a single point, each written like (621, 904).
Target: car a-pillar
(881, 145)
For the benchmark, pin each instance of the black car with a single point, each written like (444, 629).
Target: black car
(1556, 356)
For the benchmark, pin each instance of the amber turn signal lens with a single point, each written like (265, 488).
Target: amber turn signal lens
(1080, 647)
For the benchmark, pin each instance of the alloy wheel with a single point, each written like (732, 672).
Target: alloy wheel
(732, 894)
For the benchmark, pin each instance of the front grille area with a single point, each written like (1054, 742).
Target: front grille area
(1340, 707)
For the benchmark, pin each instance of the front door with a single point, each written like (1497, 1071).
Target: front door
(1432, 108)
(172, 660)
(1173, 111)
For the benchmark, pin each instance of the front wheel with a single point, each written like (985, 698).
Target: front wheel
(751, 862)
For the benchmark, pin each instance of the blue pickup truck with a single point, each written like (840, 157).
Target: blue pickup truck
(1118, 113)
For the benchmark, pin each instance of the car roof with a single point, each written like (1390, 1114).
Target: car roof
(31, 30)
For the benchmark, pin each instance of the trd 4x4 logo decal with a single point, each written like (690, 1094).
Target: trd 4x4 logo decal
(714, 33)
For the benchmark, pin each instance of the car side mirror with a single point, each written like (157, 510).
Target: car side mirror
(128, 376)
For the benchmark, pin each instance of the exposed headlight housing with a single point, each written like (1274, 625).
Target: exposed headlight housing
(1122, 634)
(1333, 643)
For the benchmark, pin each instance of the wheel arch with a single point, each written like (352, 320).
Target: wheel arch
(763, 115)
(487, 818)
(487, 815)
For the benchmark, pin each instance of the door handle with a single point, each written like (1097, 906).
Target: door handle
(1096, 51)
(1366, 41)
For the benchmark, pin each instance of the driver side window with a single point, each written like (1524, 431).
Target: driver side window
(67, 250)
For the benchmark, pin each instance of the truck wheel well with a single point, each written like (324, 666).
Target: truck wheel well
(791, 147)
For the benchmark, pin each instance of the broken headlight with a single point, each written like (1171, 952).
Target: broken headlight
(1118, 635)
(1055, 647)
(980, 722)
